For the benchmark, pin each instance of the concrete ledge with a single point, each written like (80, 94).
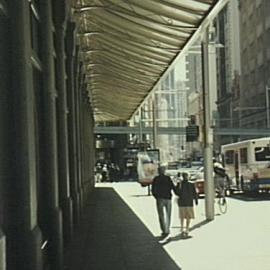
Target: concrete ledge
(68, 220)
(2, 251)
(56, 240)
(34, 258)
(76, 208)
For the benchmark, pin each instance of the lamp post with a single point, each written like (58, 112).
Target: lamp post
(208, 88)
(140, 127)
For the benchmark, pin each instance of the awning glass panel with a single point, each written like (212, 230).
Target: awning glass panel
(126, 45)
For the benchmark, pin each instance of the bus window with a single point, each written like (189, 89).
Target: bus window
(262, 153)
(243, 155)
(229, 157)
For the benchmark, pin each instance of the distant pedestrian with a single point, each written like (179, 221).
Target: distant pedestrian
(161, 189)
(187, 194)
(178, 178)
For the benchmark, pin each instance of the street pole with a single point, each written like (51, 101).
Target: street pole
(267, 106)
(207, 129)
(140, 126)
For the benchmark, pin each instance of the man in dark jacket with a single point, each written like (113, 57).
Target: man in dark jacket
(161, 189)
(187, 194)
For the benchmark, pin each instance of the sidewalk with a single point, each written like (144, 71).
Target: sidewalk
(121, 231)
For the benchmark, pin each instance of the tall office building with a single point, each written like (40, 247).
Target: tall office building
(171, 103)
(226, 100)
(194, 99)
(228, 68)
(255, 60)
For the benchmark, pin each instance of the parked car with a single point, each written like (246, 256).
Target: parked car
(172, 169)
(198, 180)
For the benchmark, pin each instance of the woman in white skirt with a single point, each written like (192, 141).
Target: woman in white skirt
(187, 194)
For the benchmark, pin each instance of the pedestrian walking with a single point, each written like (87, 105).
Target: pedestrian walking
(162, 187)
(187, 195)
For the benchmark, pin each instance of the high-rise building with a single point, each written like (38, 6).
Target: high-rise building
(228, 68)
(225, 101)
(255, 61)
(194, 100)
(171, 102)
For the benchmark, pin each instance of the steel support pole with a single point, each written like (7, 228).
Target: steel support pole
(154, 116)
(207, 130)
(140, 125)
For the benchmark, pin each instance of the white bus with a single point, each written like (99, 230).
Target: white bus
(247, 164)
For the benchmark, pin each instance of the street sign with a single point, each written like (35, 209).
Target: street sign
(192, 133)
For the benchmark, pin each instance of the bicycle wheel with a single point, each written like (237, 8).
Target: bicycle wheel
(222, 204)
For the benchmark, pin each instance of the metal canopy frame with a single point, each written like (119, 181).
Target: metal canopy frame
(127, 46)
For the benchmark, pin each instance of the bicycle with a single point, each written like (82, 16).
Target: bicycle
(222, 202)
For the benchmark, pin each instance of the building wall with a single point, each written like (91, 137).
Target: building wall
(46, 135)
(171, 111)
(228, 68)
(255, 61)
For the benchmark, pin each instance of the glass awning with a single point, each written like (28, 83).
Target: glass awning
(127, 45)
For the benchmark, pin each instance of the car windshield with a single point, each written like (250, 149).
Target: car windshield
(173, 166)
(196, 164)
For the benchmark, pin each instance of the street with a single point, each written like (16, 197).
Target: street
(236, 240)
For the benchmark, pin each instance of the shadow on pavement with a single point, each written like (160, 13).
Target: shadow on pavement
(251, 197)
(200, 224)
(196, 226)
(174, 238)
(111, 237)
(181, 237)
(141, 195)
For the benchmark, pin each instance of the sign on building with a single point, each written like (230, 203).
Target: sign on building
(192, 133)
(147, 166)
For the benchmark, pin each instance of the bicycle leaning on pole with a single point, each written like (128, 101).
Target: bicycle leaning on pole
(221, 199)
(220, 184)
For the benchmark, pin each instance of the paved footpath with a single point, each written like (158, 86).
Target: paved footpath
(120, 231)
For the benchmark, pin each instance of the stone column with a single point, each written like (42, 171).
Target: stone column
(88, 148)
(63, 110)
(77, 122)
(79, 113)
(72, 119)
(54, 223)
(5, 125)
(83, 141)
(24, 238)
